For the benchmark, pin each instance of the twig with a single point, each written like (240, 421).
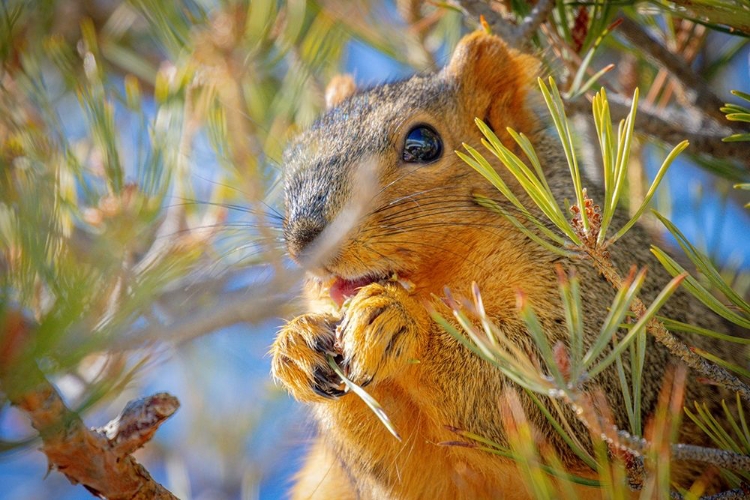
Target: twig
(688, 43)
(602, 425)
(696, 88)
(738, 494)
(515, 36)
(664, 337)
(498, 24)
(722, 458)
(138, 422)
(90, 457)
(533, 21)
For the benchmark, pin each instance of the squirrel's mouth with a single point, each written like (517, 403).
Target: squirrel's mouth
(341, 289)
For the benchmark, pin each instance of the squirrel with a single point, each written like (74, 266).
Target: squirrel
(424, 225)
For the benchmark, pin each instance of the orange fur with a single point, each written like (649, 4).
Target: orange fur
(427, 227)
(418, 468)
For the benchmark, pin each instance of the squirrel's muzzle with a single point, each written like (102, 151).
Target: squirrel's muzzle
(300, 233)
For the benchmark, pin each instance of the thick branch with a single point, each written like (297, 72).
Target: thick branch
(697, 89)
(663, 125)
(88, 457)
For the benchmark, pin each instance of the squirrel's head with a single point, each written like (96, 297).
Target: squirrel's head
(382, 161)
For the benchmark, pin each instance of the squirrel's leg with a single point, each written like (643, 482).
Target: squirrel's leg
(383, 330)
(321, 477)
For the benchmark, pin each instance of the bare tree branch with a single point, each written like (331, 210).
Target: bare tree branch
(533, 21)
(663, 125)
(516, 36)
(696, 88)
(499, 25)
(138, 422)
(98, 460)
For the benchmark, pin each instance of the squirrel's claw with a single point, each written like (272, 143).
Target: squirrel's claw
(300, 358)
(327, 383)
(325, 388)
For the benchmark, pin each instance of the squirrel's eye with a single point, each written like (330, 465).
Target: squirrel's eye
(422, 145)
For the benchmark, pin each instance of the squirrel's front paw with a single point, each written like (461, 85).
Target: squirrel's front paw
(380, 332)
(300, 358)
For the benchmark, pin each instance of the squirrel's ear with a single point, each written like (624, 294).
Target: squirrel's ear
(338, 89)
(495, 81)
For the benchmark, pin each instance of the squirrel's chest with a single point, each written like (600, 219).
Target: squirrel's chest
(424, 464)
(421, 465)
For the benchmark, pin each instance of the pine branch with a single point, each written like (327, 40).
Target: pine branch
(705, 138)
(600, 425)
(737, 494)
(656, 328)
(587, 233)
(587, 230)
(679, 451)
(720, 458)
(98, 459)
(592, 410)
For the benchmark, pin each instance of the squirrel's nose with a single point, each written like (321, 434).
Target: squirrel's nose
(300, 233)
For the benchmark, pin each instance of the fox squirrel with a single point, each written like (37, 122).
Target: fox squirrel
(424, 226)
